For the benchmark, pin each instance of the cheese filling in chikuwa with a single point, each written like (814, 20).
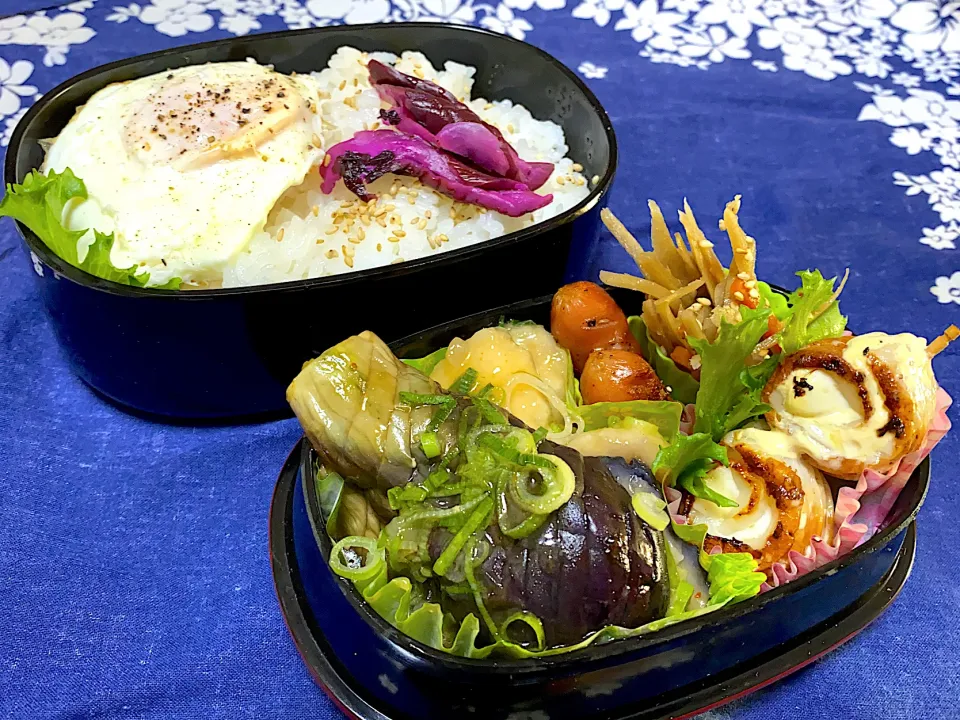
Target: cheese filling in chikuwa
(782, 501)
(853, 403)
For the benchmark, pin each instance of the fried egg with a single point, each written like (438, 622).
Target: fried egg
(184, 166)
(853, 403)
(782, 501)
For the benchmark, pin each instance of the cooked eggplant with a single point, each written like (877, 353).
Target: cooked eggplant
(594, 563)
(489, 518)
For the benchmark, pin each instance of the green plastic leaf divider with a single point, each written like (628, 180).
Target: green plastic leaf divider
(683, 386)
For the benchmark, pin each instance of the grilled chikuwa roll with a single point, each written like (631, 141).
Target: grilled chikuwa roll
(855, 403)
(783, 502)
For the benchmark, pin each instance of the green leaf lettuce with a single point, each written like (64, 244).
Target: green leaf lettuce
(39, 204)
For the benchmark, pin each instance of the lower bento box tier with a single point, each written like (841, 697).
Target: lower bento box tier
(227, 353)
(647, 665)
(370, 668)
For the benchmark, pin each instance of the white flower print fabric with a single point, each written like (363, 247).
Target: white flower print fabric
(838, 120)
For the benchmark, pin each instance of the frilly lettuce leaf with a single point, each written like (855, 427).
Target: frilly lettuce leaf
(685, 462)
(664, 415)
(396, 601)
(733, 577)
(39, 202)
(799, 330)
(795, 311)
(729, 394)
(776, 301)
(683, 386)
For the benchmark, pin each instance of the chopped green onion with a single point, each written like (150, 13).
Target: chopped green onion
(417, 399)
(476, 520)
(437, 515)
(409, 494)
(527, 527)
(468, 566)
(442, 413)
(532, 621)
(436, 480)
(457, 590)
(489, 411)
(464, 384)
(555, 489)
(520, 439)
(523, 459)
(347, 562)
(539, 434)
(650, 509)
(430, 444)
(484, 390)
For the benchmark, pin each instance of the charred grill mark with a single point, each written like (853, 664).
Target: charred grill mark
(390, 117)
(800, 387)
(896, 425)
(686, 503)
(785, 487)
(784, 496)
(782, 483)
(900, 406)
(728, 545)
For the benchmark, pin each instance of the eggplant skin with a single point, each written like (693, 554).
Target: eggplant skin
(593, 564)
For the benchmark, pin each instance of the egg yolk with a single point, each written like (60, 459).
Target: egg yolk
(192, 121)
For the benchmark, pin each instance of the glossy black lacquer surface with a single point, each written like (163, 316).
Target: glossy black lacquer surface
(228, 353)
(601, 677)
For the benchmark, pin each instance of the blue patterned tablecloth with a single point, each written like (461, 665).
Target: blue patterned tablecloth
(134, 578)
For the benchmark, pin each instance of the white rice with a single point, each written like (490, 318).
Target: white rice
(309, 234)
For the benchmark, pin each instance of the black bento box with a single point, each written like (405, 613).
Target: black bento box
(232, 352)
(374, 671)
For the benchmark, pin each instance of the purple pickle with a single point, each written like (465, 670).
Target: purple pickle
(434, 114)
(370, 154)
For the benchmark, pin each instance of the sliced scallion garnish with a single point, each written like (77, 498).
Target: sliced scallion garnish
(478, 519)
(650, 508)
(529, 526)
(442, 413)
(474, 559)
(552, 491)
(409, 494)
(347, 562)
(430, 444)
(417, 399)
(484, 390)
(489, 411)
(529, 619)
(464, 384)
